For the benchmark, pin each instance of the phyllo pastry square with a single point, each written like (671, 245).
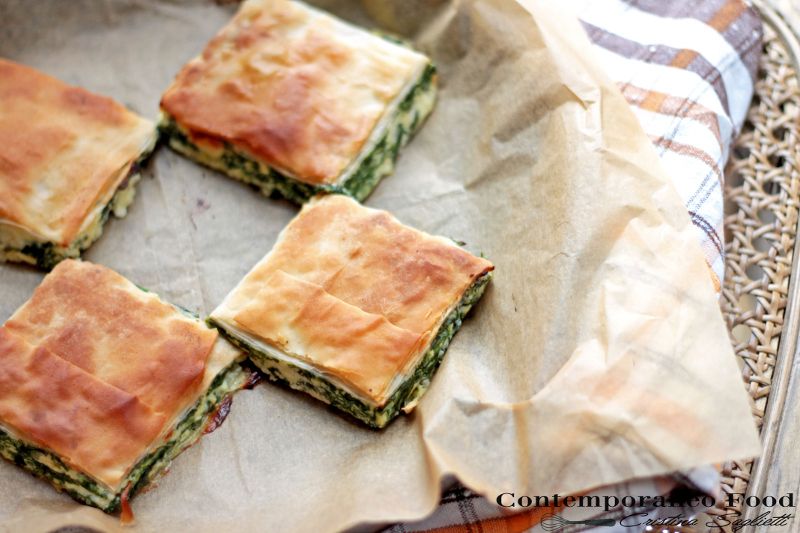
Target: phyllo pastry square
(353, 307)
(102, 384)
(68, 158)
(294, 101)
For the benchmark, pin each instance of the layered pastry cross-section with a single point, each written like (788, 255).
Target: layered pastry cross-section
(353, 307)
(68, 159)
(294, 101)
(102, 384)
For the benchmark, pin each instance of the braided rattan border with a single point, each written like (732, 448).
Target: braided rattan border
(762, 195)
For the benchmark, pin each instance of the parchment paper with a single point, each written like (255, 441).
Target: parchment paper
(598, 353)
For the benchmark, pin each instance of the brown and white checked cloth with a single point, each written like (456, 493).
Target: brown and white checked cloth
(687, 67)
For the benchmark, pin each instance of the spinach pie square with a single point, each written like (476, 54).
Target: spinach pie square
(103, 384)
(294, 101)
(68, 159)
(353, 307)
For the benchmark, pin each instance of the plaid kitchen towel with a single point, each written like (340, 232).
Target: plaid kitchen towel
(687, 67)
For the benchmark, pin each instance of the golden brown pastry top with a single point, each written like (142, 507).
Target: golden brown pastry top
(302, 319)
(125, 346)
(352, 291)
(101, 322)
(63, 151)
(293, 87)
(91, 425)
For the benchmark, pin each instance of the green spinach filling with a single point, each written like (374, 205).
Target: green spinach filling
(379, 162)
(48, 466)
(409, 391)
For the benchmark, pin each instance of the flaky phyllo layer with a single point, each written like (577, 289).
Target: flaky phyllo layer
(353, 307)
(69, 159)
(80, 403)
(406, 390)
(308, 105)
(47, 465)
(23, 246)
